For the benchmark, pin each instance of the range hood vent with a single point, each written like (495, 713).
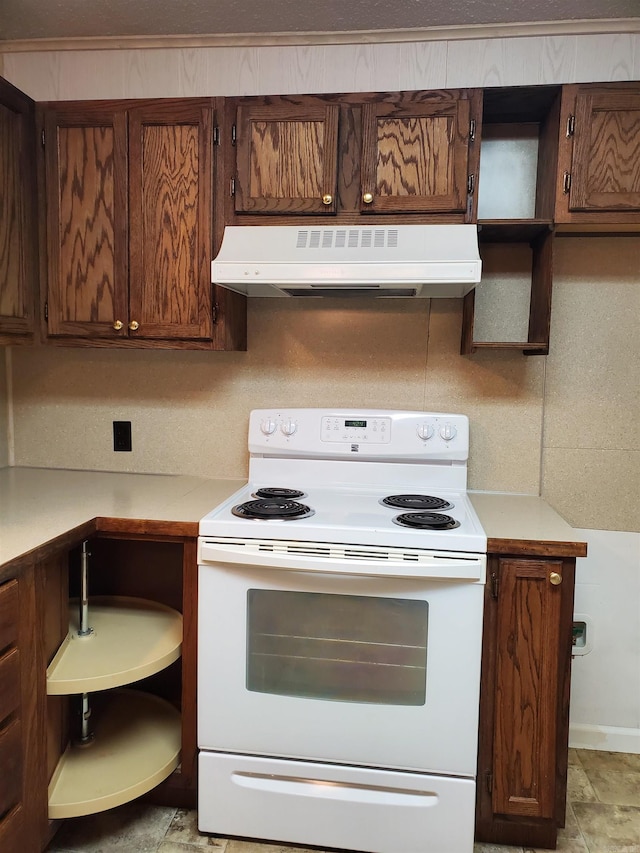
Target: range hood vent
(402, 260)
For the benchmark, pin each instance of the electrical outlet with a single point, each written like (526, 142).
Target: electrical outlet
(122, 435)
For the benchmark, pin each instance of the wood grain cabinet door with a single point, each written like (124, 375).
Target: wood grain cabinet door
(287, 156)
(527, 660)
(414, 155)
(18, 242)
(171, 179)
(606, 155)
(86, 190)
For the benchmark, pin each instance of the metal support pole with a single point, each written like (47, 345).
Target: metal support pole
(86, 736)
(84, 629)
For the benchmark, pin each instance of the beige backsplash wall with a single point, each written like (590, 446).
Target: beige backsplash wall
(189, 410)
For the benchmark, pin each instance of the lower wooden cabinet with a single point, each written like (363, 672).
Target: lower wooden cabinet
(22, 816)
(524, 704)
(127, 570)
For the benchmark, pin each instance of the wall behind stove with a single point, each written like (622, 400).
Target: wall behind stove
(566, 426)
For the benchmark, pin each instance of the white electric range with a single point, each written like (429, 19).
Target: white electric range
(340, 621)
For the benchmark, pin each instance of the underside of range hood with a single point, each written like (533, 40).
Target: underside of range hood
(398, 261)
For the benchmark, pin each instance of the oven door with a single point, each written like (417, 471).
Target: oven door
(313, 654)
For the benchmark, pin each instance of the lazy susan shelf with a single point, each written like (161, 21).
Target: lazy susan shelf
(132, 638)
(136, 746)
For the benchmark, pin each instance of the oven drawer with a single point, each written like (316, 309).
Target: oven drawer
(378, 811)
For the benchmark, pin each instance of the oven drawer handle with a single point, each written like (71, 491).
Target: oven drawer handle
(344, 791)
(439, 568)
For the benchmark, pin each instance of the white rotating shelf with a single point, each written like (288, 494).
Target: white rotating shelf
(136, 746)
(132, 638)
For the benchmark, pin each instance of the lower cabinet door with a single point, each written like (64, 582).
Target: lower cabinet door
(524, 700)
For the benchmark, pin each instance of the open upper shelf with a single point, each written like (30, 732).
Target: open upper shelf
(512, 230)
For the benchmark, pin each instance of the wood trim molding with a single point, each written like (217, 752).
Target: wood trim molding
(600, 26)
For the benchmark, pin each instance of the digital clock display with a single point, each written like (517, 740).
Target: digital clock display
(360, 424)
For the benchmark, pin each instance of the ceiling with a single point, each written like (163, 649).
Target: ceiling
(26, 20)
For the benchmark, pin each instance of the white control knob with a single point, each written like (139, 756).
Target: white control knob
(448, 431)
(288, 427)
(268, 426)
(425, 431)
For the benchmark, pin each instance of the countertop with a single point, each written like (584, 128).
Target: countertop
(39, 505)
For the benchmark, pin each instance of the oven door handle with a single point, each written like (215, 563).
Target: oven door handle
(467, 567)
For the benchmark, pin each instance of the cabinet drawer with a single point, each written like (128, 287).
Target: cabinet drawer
(11, 763)
(8, 614)
(9, 683)
(12, 831)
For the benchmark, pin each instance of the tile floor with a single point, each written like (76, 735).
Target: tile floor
(603, 816)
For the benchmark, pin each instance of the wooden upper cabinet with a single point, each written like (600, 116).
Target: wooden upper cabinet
(18, 236)
(171, 177)
(415, 154)
(87, 220)
(599, 171)
(129, 213)
(287, 157)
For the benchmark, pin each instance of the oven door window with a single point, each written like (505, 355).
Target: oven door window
(346, 648)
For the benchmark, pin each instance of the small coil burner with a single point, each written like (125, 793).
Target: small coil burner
(272, 508)
(416, 502)
(277, 492)
(426, 521)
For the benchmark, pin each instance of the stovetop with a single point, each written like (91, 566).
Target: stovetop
(331, 469)
(350, 515)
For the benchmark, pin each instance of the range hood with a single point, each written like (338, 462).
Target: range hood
(400, 260)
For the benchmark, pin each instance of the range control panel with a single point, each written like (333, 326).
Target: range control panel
(371, 433)
(366, 429)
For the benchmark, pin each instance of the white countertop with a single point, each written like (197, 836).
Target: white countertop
(39, 504)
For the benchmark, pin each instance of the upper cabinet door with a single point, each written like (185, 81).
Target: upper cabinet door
(86, 188)
(599, 155)
(171, 177)
(606, 154)
(415, 154)
(287, 157)
(18, 241)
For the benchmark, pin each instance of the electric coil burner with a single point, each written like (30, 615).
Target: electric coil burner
(428, 502)
(278, 492)
(426, 521)
(339, 656)
(272, 508)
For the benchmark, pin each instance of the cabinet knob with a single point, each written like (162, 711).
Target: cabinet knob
(327, 198)
(134, 325)
(367, 198)
(555, 578)
(118, 325)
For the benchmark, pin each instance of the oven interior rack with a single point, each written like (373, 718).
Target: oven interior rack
(132, 742)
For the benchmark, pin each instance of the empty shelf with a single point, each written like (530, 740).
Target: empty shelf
(136, 746)
(132, 638)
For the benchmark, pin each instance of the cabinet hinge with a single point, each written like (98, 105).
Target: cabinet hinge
(42, 137)
(571, 125)
(489, 779)
(566, 182)
(232, 186)
(472, 129)
(233, 134)
(216, 135)
(495, 584)
(46, 310)
(471, 184)
(214, 312)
